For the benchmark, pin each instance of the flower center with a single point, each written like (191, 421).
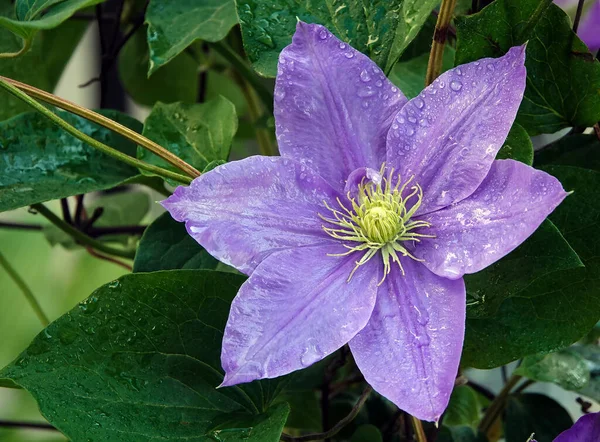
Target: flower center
(379, 219)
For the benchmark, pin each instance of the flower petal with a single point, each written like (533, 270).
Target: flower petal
(448, 136)
(296, 308)
(510, 204)
(586, 429)
(410, 349)
(333, 105)
(588, 31)
(244, 210)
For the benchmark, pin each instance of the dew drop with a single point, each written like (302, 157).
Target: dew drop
(455, 85)
(412, 119)
(342, 45)
(311, 355)
(364, 76)
(379, 83)
(323, 34)
(349, 54)
(367, 92)
(419, 103)
(490, 67)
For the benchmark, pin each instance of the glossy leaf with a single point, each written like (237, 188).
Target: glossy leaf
(409, 75)
(591, 355)
(565, 368)
(166, 245)
(36, 15)
(463, 408)
(176, 81)
(41, 162)
(139, 361)
(197, 133)
(381, 29)
(41, 66)
(518, 146)
(174, 25)
(534, 413)
(514, 301)
(563, 77)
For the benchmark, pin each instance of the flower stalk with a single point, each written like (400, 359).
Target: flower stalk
(497, 406)
(418, 428)
(29, 296)
(24, 91)
(434, 67)
(79, 236)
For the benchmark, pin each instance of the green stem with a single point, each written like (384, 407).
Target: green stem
(497, 406)
(418, 427)
(101, 120)
(25, 289)
(434, 67)
(245, 71)
(79, 236)
(26, 46)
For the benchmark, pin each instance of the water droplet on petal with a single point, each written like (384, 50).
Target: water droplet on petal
(342, 45)
(349, 54)
(419, 103)
(366, 92)
(323, 34)
(364, 76)
(455, 85)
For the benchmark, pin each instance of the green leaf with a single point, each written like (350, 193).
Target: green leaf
(517, 146)
(562, 76)
(565, 368)
(573, 150)
(173, 26)
(381, 29)
(41, 66)
(305, 410)
(590, 353)
(36, 15)
(139, 360)
(534, 413)
(166, 245)
(515, 302)
(367, 433)
(176, 81)
(463, 408)
(41, 162)
(409, 75)
(197, 133)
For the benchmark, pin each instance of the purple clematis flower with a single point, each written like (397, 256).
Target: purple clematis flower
(586, 429)
(589, 27)
(361, 231)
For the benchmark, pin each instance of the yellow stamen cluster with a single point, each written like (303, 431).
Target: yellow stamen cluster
(379, 220)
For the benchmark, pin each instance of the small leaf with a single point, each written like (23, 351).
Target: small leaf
(41, 162)
(534, 413)
(41, 66)
(166, 245)
(517, 146)
(198, 133)
(177, 81)
(463, 408)
(565, 368)
(562, 83)
(381, 30)
(409, 75)
(36, 15)
(590, 353)
(174, 25)
(139, 360)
